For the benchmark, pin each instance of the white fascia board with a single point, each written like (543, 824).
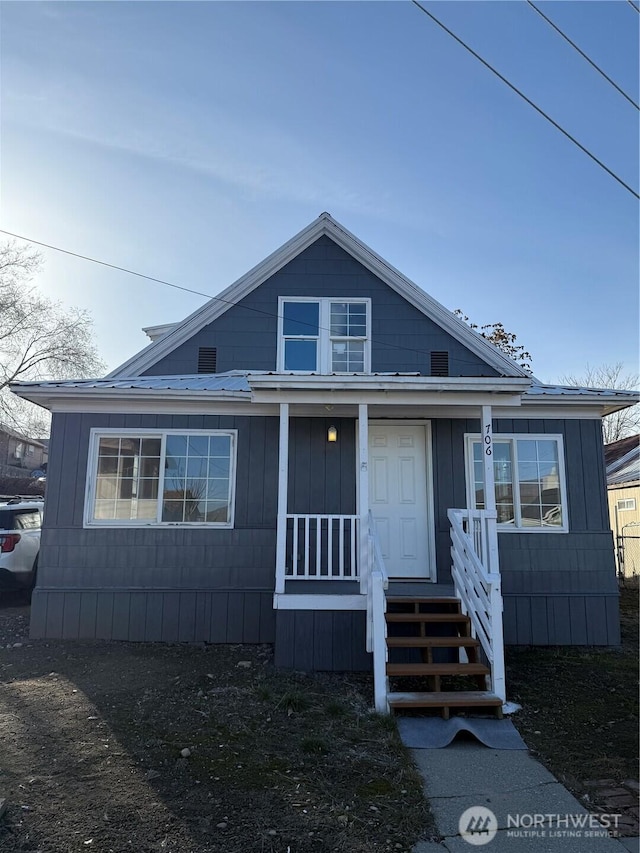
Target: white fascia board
(324, 225)
(604, 406)
(423, 302)
(387, 398)
(155, 332)
(220, 303)
(322, 383)
(318, 601)
(80, 399)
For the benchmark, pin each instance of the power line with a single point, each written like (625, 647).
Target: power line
(228, 302)
(633, 6)
(583, 54)
(525, 98)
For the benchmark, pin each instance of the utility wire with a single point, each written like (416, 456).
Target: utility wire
(583, 54)
(196, 292)
(525, 98)
(633, 6)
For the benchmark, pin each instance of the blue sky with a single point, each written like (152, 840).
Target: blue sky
(189, 140)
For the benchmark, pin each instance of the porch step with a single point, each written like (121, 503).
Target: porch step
(446, 700)
(422, 642)
(437, 669)
(426, 617)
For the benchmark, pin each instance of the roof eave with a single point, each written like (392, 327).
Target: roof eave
(50, 398)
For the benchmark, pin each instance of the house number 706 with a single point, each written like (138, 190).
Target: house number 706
(488, 440)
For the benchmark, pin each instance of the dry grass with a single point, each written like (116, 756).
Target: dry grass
(91, 736)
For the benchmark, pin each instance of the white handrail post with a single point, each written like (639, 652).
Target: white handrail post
(283, 487)
(379, 644)
(498, 677)
(363, 494)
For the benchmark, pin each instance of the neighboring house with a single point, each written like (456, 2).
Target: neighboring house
(19, 455)
(302, 451)
(622, 460)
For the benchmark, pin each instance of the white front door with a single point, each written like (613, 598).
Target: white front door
(398, 498)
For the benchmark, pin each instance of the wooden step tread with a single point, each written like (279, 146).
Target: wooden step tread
(441, 642)
(437, 669)
(452, 699)
(426, 617)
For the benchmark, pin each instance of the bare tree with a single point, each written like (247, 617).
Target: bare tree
(619, 424)
(496, 334)
(39, 338)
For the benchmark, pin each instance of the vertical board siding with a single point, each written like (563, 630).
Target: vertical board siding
(171, 617)
(245, 336)
(332, 641)
(215, 585)
(559, 588)
(322, 475)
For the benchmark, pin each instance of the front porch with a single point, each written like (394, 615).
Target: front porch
(332, 563)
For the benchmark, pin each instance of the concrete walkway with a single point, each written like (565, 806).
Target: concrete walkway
(509, 783)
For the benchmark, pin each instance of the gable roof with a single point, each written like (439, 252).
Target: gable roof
(324, 225)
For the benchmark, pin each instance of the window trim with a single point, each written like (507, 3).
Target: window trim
(324, 336)
(96, 433)
(513, 437)
(626, 508)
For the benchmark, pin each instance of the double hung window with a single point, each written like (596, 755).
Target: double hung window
(171, 477)
(530, 484)
(324, 335)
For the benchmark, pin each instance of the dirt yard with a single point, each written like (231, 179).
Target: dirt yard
(580, 715)
(112, 747)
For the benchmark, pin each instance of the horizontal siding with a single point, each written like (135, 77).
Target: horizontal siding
(245, 336)
(324, 640)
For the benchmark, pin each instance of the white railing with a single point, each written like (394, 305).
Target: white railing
(322, 547)
(377, 583)
(476, 577)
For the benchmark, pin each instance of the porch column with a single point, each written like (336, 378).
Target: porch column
(498, 676)
(283, 488)
(363, 493)
(489, 489)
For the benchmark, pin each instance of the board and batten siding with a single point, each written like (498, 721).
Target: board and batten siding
(246, 335)
(216, 585)
(558, 588)
(180, 584)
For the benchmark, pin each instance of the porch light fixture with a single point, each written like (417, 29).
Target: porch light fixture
(332, 434)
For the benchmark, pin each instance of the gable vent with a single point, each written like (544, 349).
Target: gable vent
(439, 363)
(207, 359)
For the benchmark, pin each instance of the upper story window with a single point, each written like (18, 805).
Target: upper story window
(530, 482)
(324, 335)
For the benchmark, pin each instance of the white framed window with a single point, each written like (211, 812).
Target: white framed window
(530, 481)
(324, 335)
(138, 478)
(626, 504)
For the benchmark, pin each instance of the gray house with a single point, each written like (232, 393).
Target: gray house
(325, 458)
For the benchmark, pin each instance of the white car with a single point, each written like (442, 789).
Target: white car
(20, 525)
